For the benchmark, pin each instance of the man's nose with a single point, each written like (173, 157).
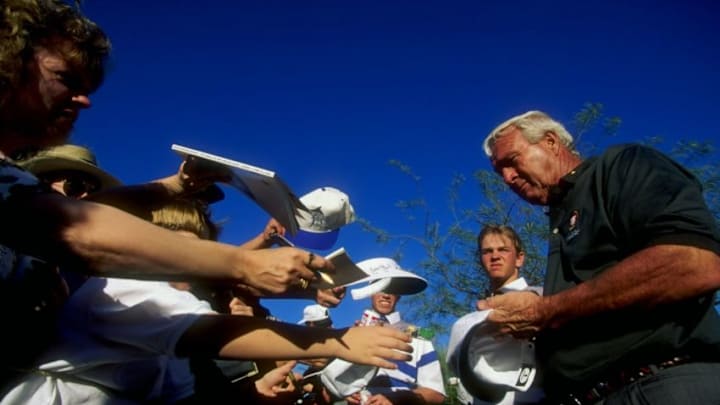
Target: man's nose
(508, 174)
(82, 100)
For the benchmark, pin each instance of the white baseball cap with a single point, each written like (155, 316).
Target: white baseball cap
(385, 275)
(342, 378)
(314, 313)
(488, 367)
(329, 209)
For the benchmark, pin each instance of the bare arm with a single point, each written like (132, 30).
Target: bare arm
(100, 239)
(140, 199)
(265, 238)
(653, 276)
(241, 337)
(419, 396)
(430, 396)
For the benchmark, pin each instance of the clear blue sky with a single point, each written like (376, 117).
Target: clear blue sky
(326, 92)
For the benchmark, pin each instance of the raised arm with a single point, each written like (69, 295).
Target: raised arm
(140, 199)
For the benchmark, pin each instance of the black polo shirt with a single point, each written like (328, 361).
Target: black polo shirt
(608, 208)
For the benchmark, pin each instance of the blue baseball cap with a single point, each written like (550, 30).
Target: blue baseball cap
(329, 209)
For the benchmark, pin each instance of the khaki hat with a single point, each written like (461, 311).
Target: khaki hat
(68, 157)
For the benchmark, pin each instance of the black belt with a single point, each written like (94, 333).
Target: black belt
(615, 382)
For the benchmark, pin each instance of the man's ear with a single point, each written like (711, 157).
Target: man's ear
(552, 142)
(519, 259)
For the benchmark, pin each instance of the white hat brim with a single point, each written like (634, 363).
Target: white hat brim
(400, 282)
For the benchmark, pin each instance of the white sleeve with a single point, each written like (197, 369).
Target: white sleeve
(150, 315)
(428, 367)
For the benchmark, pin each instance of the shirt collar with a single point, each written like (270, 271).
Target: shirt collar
(557, 193)
(393, 317)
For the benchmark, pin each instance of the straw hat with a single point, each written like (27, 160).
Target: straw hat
(68, 157)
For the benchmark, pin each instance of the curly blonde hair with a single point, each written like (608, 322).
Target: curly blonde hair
(27, 24)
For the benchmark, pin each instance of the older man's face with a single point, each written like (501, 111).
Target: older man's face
(46, 105)
(528, 168)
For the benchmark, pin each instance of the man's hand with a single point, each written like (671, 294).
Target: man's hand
(276, 271)
(378, 399)
(272, 228)
(331, 297)
(516, 313)
(354, 399)
(238, 307)
(194, 175)
(266, 238)
(276, 382)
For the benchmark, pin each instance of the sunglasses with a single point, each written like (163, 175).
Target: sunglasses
(74, 184)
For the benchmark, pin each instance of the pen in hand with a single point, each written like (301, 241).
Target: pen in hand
(283, 241)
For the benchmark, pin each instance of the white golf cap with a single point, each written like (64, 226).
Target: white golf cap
(385, 275)
(314, 313)
(489, 367)
(343, 378)
(329, 209)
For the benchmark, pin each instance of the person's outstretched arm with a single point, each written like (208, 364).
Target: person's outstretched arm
(102, 240)
(141, 199)
(239, 337)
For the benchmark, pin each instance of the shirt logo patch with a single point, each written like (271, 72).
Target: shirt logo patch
(573, 226)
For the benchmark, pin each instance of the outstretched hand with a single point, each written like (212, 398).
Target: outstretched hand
(276, 271)
(330, 297)
(375, 346)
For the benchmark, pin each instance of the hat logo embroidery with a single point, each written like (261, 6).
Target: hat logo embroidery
(524, 376)
(318, 219)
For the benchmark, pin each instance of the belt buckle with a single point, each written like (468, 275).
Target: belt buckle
(589, 396)
(607, 386)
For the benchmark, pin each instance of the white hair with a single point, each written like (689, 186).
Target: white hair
(532, 125)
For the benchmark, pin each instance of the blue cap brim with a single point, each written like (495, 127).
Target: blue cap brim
(315, 240)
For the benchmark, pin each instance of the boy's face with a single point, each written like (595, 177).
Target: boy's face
(384, 303)
(500, 259)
